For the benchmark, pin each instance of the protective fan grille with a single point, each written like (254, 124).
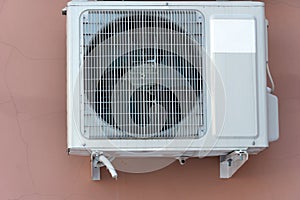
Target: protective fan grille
(142, 74)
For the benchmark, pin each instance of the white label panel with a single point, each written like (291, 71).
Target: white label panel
(233, 36)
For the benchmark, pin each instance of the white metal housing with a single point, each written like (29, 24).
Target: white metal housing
(224, 110)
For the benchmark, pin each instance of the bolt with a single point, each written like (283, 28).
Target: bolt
(241, 157)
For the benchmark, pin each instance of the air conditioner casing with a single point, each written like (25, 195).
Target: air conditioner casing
(234, 61)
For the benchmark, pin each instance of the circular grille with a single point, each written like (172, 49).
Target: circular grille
(141, 83)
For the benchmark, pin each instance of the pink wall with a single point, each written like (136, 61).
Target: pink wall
(34, 164)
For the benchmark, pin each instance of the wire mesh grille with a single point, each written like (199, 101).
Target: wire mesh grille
(142, 74)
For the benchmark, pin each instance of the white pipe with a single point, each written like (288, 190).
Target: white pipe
(109, 166)
(270, 78)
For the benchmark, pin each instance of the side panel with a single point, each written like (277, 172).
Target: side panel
(73, 77)
(233, 43)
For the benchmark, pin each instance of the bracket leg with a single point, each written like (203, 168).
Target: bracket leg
(99, 160)
(230, 163)
(95, 167)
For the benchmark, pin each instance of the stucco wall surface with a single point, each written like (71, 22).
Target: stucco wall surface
(34, 164)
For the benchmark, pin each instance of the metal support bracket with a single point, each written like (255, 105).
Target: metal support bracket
(98, 160)
(231, 162)
(95, 166)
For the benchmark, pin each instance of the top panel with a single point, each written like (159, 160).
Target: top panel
(168, 3)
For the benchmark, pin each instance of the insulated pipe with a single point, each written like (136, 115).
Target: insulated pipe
(109, 166)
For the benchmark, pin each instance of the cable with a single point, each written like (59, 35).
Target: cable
(270, 78)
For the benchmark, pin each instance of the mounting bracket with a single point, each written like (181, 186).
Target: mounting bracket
(95, 166)
(98, 160)
(231, 162)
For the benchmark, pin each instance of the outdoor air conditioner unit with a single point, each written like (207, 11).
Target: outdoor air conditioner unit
(168, 80)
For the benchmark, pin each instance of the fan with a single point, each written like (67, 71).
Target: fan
(142, 76)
